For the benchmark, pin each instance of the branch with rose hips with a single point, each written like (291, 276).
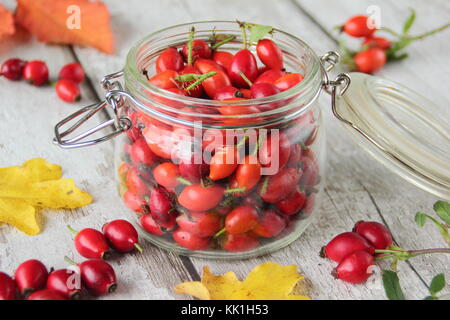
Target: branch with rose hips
(376, 51)
(357, 251)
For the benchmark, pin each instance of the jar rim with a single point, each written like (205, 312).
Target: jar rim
(307, 82)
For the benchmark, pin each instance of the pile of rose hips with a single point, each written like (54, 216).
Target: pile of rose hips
(32, 280)
(373, 55)
(220, 204)
(375, 51)
(354, 251)
(36, 73)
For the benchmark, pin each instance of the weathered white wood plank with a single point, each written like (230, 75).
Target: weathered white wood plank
(396, 200)
(28, 116)
(337, 214)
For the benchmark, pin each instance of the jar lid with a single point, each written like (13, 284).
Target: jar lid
(403, 130)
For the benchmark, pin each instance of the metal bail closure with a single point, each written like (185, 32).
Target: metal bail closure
(398, 127)
(114, 99)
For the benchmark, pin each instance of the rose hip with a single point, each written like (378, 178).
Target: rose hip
(30, 276)
(67, 90)
(200, 49)
(240, 242)
(190, 241)
(46, 294)
(7, 287)
(355, 268)
(166, 174)
(64, 281)
(199, 198)
(358, 27)
(288, 81)
(345, 244)
(72, 71)
(140, 153)
(376, 233)
(98, 277)
(270, 224)
(121, 236)
(161, 208)
(149, 224)
(241, 220)
(270, 54)
(243, 62)
(36, 72)
(169, 59)
(293, 204)
(269, 76)
(202, 224)
(91, 243)
(12, 69)
(275, 188)
(223, 58)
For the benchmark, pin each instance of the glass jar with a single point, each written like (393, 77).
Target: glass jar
(224, 179)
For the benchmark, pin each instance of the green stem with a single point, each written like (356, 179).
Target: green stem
(247, 80)
(389, 30)
(189, 46)
(218, 234)
(235, 190)
(138, 247)
(184, 181)
(407, 254)
(221, 43)
(244, 35)
(75, 232)
(202, 78)
(70, 261)
(429, 33)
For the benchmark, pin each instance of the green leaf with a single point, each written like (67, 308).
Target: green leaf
(442, 209)
(437, 284)
(409, 22)
(391, 285)
(420, 218)
(429, 298)
(258, 31)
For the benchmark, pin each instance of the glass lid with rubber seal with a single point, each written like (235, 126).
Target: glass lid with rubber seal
(406, 132)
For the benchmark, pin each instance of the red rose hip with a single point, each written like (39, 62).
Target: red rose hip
(46, 294)
(65, 282)
(376, 233)
(12, 69)
(344, 244)
(122, 236)
(91, 243)
(30, 276)
(67, 90)
(36, 72)
(355, 268)
(98, 277)
(7, 287)
(72, 71)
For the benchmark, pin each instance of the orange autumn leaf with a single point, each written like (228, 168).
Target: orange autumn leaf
(6, 22)
(80, 22)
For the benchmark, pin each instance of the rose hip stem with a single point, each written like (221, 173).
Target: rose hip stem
(184, 181)
(247, 80)
(202, 78)
(243, 27)
(221, 43)
(407, 254)
(189, 45)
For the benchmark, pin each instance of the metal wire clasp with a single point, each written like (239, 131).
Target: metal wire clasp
(114, 100)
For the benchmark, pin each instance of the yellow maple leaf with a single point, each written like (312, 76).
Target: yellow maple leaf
(35, 184)
(268, 281)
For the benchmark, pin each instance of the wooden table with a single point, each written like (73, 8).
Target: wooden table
(357, 187)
